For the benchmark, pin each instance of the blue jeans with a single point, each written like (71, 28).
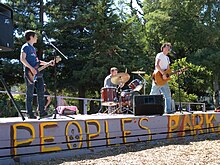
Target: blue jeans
(165, 89)
(30, 94)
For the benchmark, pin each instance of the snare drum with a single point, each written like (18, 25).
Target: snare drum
(109, 96)
(136, 85)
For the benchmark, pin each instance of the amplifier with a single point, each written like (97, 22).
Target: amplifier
(6, 26)
(148, 105)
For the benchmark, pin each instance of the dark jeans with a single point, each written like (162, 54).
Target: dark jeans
(39, 84)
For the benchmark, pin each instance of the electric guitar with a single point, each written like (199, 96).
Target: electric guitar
(158, 77)
(31, 77)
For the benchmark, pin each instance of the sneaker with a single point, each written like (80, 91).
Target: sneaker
(32, 116)
(169, 113)
(43, 114)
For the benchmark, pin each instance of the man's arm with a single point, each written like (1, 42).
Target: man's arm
(105, 82)
(52, 63)
(158, 67)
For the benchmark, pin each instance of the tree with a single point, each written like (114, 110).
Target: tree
(189, 25)
(90, 34)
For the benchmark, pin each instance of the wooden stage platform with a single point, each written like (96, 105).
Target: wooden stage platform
(32, 139)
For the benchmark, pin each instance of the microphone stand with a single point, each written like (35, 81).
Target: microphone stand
(143, 82)
(44, 34)
(179, 90)
(180, 103)
(55, 84)
(55, 70)
(178, 79)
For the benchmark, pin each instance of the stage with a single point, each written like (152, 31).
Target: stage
(32, 139)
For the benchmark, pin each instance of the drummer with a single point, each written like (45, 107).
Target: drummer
(107, 81)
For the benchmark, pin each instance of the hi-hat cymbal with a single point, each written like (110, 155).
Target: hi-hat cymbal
(138, 72)
(120, 78)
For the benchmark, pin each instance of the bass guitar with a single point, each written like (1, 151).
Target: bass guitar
(158, 77)
(31, 77)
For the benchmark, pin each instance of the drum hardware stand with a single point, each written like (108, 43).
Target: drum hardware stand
(100, 107)
(128, 110)
(11, 97)
(143, 82)
(108, 109)
(139, 74)
(120, 101)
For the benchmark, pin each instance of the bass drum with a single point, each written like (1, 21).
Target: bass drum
(127, 98)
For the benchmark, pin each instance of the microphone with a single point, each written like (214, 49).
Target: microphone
(171, 50)
(45, 35)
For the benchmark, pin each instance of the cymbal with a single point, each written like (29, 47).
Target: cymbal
(120, 78)
(138, 72)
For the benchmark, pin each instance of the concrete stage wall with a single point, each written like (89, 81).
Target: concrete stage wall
(23, 141)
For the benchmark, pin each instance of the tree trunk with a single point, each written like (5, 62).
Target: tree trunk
(82, 93)
(216, 90)
(41, 16)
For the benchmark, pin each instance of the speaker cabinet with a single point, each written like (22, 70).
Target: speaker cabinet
(148, 105)
(6, 28)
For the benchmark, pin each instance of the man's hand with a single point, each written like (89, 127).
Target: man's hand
(165, 76)
(45, 108)
(33, 70)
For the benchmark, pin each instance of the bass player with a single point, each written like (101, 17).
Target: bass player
(29, 59)
(162, 63)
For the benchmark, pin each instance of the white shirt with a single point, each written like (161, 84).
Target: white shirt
(108, 82)
(164, 61)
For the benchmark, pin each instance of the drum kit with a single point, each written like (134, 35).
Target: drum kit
(122, 100)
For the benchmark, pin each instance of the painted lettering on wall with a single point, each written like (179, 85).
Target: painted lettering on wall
(76, 134)
(180, 125)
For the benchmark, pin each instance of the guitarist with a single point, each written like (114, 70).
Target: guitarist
(162, 63)
(29, 59)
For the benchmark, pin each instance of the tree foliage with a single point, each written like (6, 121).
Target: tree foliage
(191, 26)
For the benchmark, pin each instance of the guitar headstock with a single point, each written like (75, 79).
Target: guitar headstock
(58, 59)
(180, 71)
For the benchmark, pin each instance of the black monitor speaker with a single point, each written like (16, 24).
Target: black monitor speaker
(148, 105)
(6, 28)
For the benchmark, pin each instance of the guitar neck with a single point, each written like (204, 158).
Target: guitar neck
(43, 67)
(181, 70)
(173, 72)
